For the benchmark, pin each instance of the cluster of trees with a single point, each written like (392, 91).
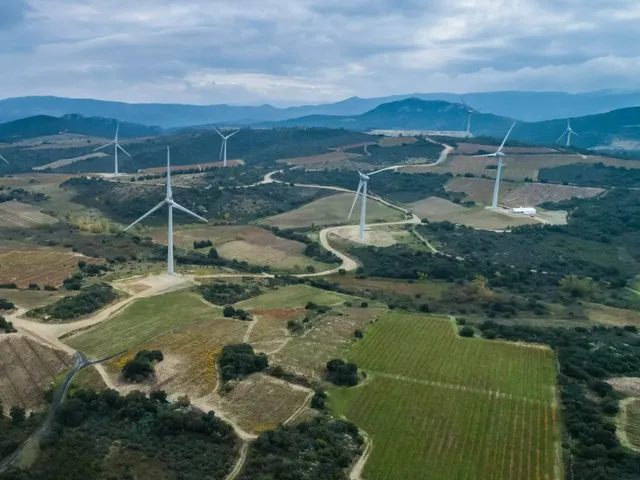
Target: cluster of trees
(228, 205)
(5, 326)
(15, 429)
(319, 399)
(588, 402)
(239, 360)
(106, 435)
(6, 304)
(227, 293)
(213, 259)
(202, 244)
(592, 175)
(92, 269)
(90, 299)
(397, 186)
(320, 449)
(342, 373)
(238, 313)
(8, 194)
(140, 367)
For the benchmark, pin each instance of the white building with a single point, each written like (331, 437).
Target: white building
(523, 210)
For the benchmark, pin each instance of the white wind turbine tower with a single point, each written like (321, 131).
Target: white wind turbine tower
(470, 112)
(116, 146)
(223, 147)
(568, 132)
(169, 201)
(499, 154)
(362, 188)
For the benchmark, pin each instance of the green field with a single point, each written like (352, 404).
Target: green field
(296, 296)
(457, 408)
(632, 422)
(141, 321)
(332, 210)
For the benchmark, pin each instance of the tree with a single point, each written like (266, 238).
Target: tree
(319, 399)
(213, 254)
(342, 272)
(311, 269)
(341, 373)
(358, 333)
(364, 304)
(229, 311)
(466, 331)
(18, 415)
(158, 396)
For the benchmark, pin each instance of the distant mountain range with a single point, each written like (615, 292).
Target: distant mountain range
(44, 125)
(526, 106)
(615, 130)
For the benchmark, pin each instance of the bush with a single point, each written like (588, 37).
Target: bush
(364, 304)
(202, 244)
(319, 399)
(229, 311)
(6, 327)
(18, 415)
(466, 331)
(610, 406)
(341, 373)
(141, 367)
(50, 288)
(6, 304)
(358, 333)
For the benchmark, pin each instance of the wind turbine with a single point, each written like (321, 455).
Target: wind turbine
(223, 147)
(5, 160)
(169, 201)
(470, 112)
(499, 154)
(116, 146)
(568, 133)
(362, 188)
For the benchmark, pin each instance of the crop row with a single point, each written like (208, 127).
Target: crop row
(427, 348)
(452, 434)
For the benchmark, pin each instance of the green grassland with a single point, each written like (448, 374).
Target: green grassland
(141, 321)
(455, 407)
(296, 296)
(332, 210)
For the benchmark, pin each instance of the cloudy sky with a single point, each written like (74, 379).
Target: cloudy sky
(288, 52)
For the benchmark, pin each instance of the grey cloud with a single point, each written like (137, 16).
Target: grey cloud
(255, 51)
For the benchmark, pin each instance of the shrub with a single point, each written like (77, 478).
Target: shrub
(319, 399)
(34, 286)
(229, 311)
(358, 333)
(466, 331)
(6, 327)
(141, 367)
(6, 304)
(364, 304)
(50, 288)
(18, 415)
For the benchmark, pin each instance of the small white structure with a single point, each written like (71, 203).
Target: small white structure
(523, 210)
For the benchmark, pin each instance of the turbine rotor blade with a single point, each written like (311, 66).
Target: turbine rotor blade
(146, 214)
(505, 138)
(127, 153)
(5, 160)
(103, 146)
(221, 148)
(117, 130)
(355, 199)
(232, 134)
(218, 132)
(560, 137)
(378, 171)
(486, 155)
(186, 210)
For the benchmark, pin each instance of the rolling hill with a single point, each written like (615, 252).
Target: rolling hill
(44, 125)
(523, 105)
(618, 129)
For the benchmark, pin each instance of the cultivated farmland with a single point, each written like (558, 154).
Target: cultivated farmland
(320, 160)
(332, 210)
(26, 370)
(455, 407)
(330, 338)
(43, 267)
(20, 215)
(260, 402)
(247, 243)
(199, 166)
(516, 194)
(517, 167)
(473, 148)
(141, 321)
(437, 209)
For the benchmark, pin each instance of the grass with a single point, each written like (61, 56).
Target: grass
(420, 290)
(295, 296)
(30, 299)
(141, 321)
(331, 211)
(455, 407)
(632, 422)
(20, 215)
(42, 267)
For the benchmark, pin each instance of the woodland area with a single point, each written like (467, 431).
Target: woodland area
(421, 150)
(105, 436)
